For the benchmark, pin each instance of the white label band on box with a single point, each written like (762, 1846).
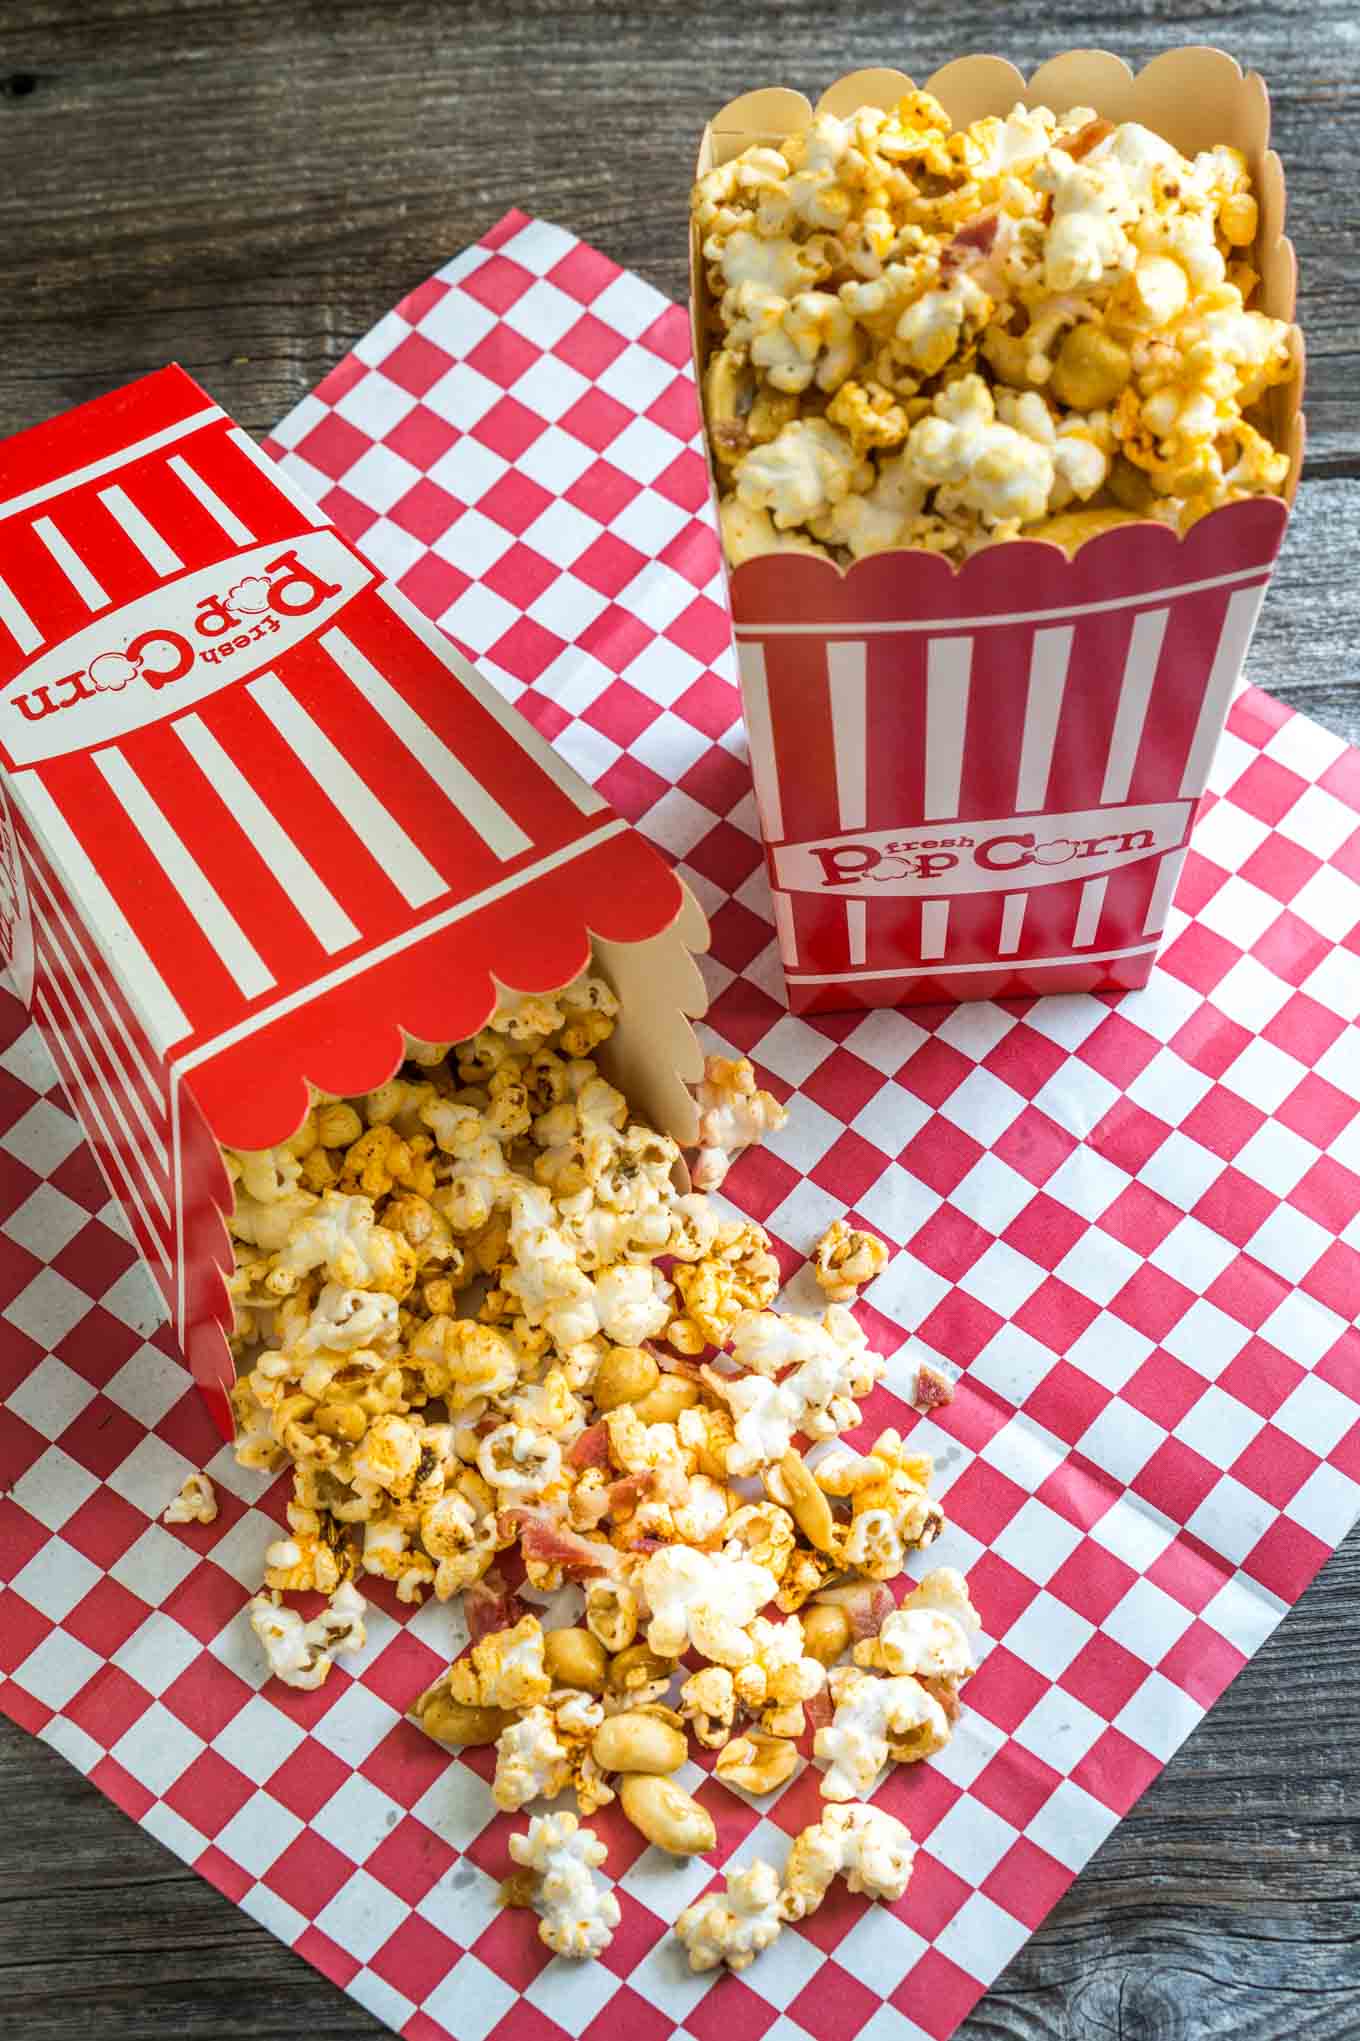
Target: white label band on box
(1012, 853)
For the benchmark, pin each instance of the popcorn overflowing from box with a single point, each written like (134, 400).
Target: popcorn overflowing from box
(1002, 400)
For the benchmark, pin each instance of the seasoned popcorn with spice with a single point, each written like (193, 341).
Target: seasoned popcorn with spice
(871, 1849)
(196, 1502)
(732, 1927)
(579, 1916)
(937, 337)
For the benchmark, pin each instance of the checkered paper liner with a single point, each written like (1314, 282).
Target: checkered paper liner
(1131, 1228)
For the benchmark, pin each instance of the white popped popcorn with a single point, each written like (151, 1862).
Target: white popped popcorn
(704, 1599)
(875, 1719)
(732, 1927)
(734, 1112)
(871, 1849)
(579, 1916)
(196, 1502)
(300, 1654)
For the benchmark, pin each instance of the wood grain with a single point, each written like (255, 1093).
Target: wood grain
(245, 188)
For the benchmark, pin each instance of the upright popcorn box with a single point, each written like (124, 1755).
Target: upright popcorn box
(260, 822)
(979, 783)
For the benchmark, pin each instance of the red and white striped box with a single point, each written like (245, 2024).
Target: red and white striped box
(258, 816)
(979, 783)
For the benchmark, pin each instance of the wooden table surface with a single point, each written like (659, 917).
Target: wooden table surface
(244, 186)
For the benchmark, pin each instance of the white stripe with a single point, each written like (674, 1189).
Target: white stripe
(110, 463)
(784, 928)
(405, 864)
(299, 498)
(86, 584)
(309, 893)
(1043, 705)
(64, 1053)
(957, 970)
(1163, 892)
(353, 967)
(140, 1082)
(1140, 670)
(755, 701)
(17, 620)
(1012, 921)
(1021, 616)
(1089, 904)
(498, 831)
(855, 919)
(1233, 641)
(221, 513)
(75, 993)
(934, 927)
(247, 969)
(147, 992)
(156, 551)
(948, 664)
(517, 728)
(846, 681)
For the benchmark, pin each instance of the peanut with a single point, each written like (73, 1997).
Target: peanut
(672, 1394)
(638, 1666)
(757, 1763)
(574, 1658)
(634, 1742)
(826, 1632)
(667, 1815)
(455, 1724)
(809, 1507)
(625, 1375)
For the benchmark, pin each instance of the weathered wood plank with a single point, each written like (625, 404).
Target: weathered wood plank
(246, 189)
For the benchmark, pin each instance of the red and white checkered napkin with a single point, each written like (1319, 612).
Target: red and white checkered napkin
(1133, 1227)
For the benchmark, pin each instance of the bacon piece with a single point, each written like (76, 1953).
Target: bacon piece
(625, 1494)
(1084, 140)
(946, 1693)
(933, 1390)
(545, 1538)
(590, 1448)
(865, 1603)
(490, 1604)
(819, 1710)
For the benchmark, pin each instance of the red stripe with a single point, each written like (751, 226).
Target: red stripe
(108, 1081)
(1095, 675)
(127, 1071)
(252, 493)
(319, 829)
(168, 503)
(895, 729)
(225, 853)
(409, 794)
(998, 692)
(95, 430)
(97, 971)
(177, 945)
(1192, 633)
(504, 767)
(800, 717)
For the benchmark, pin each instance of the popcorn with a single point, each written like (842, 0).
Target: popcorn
(845, 1259)
(892, 1510)
(704, 1599)
(870, 1848)
(503, 1670)
(708, 1700)
(830, 1366)
(875, 1719)
(196, 1502)
(734, 1926)
(777, 1681)
(339, 1234)
(300, 1654)
(531, 1761)
(733, 1113)
(918, 332)
(578, 1916)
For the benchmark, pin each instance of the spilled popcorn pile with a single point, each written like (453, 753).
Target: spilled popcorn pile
(475, 1314)
(931, 337)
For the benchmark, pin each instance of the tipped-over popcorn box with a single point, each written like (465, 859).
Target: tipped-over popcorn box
(979, 782)
(261, 823)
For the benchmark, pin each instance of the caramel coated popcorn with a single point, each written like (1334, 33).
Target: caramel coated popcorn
(475, 1315)
(937, 337)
